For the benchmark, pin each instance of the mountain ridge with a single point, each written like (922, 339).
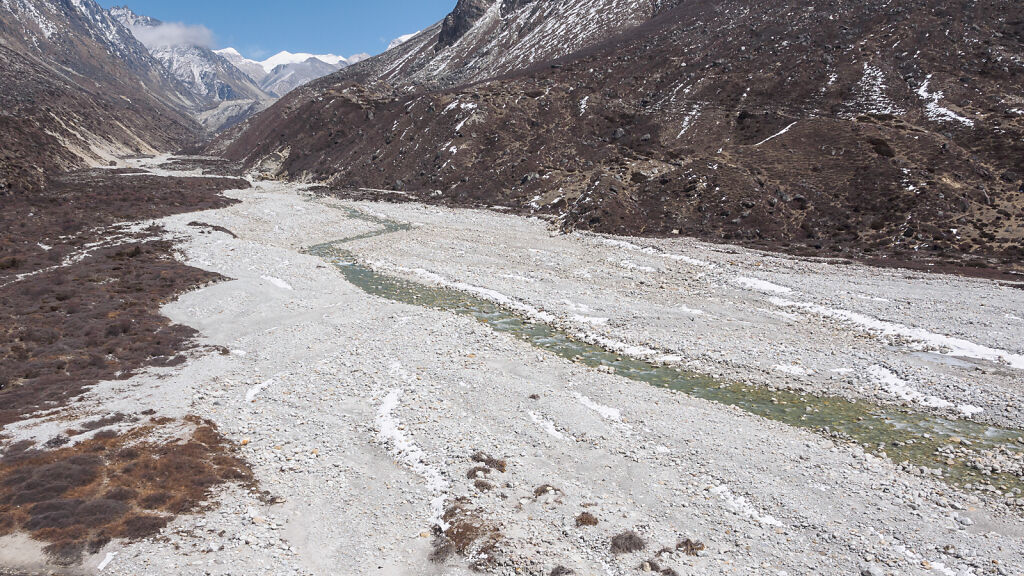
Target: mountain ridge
(77, 89)
(839, 132)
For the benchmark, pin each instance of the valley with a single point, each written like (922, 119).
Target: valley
(340, 399)
(547, 287)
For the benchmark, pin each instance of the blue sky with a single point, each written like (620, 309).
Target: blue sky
(262, 28)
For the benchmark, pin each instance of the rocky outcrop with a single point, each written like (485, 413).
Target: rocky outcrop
(461, 20)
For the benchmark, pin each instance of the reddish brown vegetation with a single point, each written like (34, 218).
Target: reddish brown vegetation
(112, 486)
(690, 547)
(586, 519)
(74, 209)
(468, 535)
(679, 132)
(545, 489)
(75, 321)
(68, 327)
(626, 542)
(490, 461)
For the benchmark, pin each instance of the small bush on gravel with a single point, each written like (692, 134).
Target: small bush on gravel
(544, 489)
(586, 519)
(561, 571)
(626, 542)
(477, 471)
(690, 547)
(490, 461)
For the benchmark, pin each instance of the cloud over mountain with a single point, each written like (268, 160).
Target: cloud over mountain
(174, 34)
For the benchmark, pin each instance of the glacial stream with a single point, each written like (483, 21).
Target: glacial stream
(902, 434)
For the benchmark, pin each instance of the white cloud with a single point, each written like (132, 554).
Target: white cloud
(174, 34)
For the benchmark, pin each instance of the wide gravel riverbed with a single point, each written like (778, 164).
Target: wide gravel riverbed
(361, 416)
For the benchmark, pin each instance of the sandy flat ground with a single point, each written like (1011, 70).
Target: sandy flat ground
(360, 415)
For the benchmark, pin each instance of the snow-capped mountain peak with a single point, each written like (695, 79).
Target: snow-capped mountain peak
(212, 78)
(284, 58)
(284, 71)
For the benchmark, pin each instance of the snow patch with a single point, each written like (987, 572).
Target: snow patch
(106, 561)
(255, 391)
(596, 321)
(792, 369)
(740, 505)
(277, 282)
(547, 425)
(776, 135)
(898, 387)
(934, 110)
(922, 339)
(407, 452)
(760, 285)
(606, 412)
(872, 97)
(485, 293)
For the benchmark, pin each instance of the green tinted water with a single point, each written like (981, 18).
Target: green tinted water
(904, 435)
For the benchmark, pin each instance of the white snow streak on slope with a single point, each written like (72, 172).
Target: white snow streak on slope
(406, 451)
(902, 389)
(898, 387)
(106, 561)
(547, 425)
(253, 392)
(606, 412)
(760, 285)
(791, 369)
(776, 135)
(935, 111)
(688, 120)
(654, 252)
(739, 505)
(872, 97)
(925, 340)
(277, 282)
(485, 293)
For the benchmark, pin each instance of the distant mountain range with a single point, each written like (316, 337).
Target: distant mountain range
(83, 86)
(223, 94)
(285, 71)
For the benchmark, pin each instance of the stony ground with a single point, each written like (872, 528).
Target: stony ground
(361, 417)
(936, 342)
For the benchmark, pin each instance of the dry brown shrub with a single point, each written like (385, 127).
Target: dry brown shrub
(490, 461)
(690, 547)
(468, 535)
(111, 486)
(626, 542)
(586, 519)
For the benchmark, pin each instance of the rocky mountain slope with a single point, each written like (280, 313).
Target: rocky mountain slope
(77, 89)
(887, 129)
(208, 75)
